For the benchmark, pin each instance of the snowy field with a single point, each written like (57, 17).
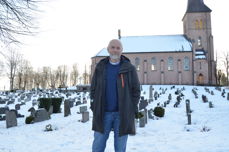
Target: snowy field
(168, 134)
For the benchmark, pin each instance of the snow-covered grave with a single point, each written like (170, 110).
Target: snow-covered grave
(196, 119)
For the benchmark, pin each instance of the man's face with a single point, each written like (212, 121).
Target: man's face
(115, 49)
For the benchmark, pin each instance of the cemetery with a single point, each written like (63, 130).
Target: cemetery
(167, 115)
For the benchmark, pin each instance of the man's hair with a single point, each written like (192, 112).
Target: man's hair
(113, 40)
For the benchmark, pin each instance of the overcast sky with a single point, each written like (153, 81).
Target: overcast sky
(72, 31)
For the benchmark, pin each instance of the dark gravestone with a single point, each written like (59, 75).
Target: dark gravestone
(2, 101)
(71, 103)
(150, 93)
(34, 102)
(67, 110)
(32, 110)
(17, 106)
(41, 115)
(143, 104)
(11, 101)
(78, 103)
(189, 119)
(11, 119)
(3, 110)
(227, 96)
(210, 105)
(204, 98)
(187, 106)
(145, 115)
(85, 116)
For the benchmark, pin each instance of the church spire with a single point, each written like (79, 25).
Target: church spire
(197, 6)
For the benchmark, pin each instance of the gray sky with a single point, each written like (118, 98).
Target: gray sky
(72, 31)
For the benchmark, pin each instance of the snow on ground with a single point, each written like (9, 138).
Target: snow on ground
(168, 134)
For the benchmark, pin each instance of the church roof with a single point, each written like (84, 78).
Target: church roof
(155, 43)
(197, 6)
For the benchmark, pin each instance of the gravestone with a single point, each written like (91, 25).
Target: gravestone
(67, 110)
(212, 93)
(156, 95)
(32, 110)
(150, 114)
(34, 102)
(11, 101)
(150, 93)
(170, 97)
(11, 119)
(41, 115)
(71, 103)
(83, 109)
(204, 98)
(227, 96)
(187, 106)
(17, 106)
(78, 103)
(3, 110)
(189, 119)
(142, 121)
(145, 115)
(2, 101)
(143, 104)
(85, 116)
(210, 105)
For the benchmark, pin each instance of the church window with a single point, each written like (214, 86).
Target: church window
(200, 24)
(186, 64)
(197, 24)
(170, 63)
(137, 63)
(153, 63)
(199, 42)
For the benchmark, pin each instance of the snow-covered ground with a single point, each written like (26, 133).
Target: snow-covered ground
(168, 134)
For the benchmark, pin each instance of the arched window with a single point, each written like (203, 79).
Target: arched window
(170, 63)
(153, 63)
(199, 42)
(137, 63)
(186, 64)
(197, 24)
(200, 24)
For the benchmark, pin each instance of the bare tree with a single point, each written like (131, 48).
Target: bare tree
(226, 65)
(74, 75)
(45, 77)
(37, 79)
(12, 60)
(16, 18)
(53, 78)
(85, 76)
(62, 75)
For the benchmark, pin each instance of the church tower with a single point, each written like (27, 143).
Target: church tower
(197, 28)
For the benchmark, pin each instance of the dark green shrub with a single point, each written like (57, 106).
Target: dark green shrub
(159, 111)
(45, 103)
(29, 119)
(56, 103)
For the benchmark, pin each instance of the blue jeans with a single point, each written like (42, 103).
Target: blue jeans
(111, 120)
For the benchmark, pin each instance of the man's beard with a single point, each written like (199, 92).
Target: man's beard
(114, 56)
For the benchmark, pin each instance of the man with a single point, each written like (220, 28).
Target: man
(115, 93)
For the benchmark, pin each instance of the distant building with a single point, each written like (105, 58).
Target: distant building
(174, 59)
